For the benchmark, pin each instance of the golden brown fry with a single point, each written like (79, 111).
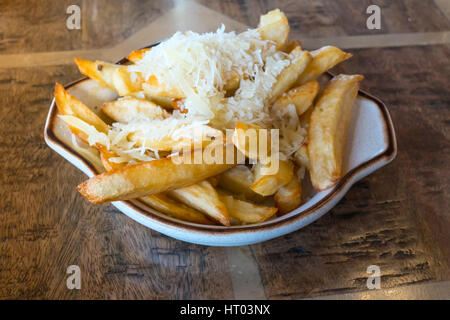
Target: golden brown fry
(328, 128)
(147, 178)
(105, 156)
(305, 117)
(301, 157)
(301, 97)
(100, 71)
(267, 185)
(215, 180)
(173, 208)
(71, 106)
(289, 196)
(274, 26)
(246, 212)
(238, 181)
(292, 45)
(185, 141)
(252, 140)
(324, 59)
(111, 76)
(160, 201)
(287, 78)
(203, 197)
(123, 83)
(127, 109)
(153, 87)
(137, 55)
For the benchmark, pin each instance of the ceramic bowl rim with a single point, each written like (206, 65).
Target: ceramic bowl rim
(345, 182)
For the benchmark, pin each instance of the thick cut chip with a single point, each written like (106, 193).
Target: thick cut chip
(289, 196)
(149, 177)
(137, 55)
(165, 102)
(252, 140)
(160, 201)
(324, 59)
(184, 139)
(267, 185)
(274, 26)
(328, 128)
(292, 45)
(100, 71)
(238, 181)
(68, 105)
(124, 83)
(203, 197)
(173, 208)
(287, 78)
(112, 76)
(246, 212)
(128, 109)
(232, 84)
(301, 157)
(105, 156)
(153, 87)
(301, 97)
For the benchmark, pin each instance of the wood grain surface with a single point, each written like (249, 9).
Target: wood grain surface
(397, 218)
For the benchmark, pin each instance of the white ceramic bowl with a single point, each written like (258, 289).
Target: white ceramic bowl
(371, 144)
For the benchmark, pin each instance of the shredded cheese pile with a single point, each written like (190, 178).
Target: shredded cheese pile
(200, 66)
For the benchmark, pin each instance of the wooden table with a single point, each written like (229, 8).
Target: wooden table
(398, 218)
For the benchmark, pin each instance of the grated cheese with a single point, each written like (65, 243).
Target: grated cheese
(200, 66)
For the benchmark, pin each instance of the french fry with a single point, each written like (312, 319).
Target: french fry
(305, 117)
(185, 139)
(246, 212)
(112, 76)
(127, 109)
(324, 59)
(302, 97)
(123, 83)
(252, 140)
(153, 87)
(238, 181)
(203, 197)
(287, 78)
(267, 185)
(274, 26)
(328, 128)
(137, 55)
(289, 196)
(301, 157)
(146, 178)
(100, 71)
(292, 45)
(68, 105)
(215, 180)
(165, 102)
(173, 208)
(160, 201)
(105, 156)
